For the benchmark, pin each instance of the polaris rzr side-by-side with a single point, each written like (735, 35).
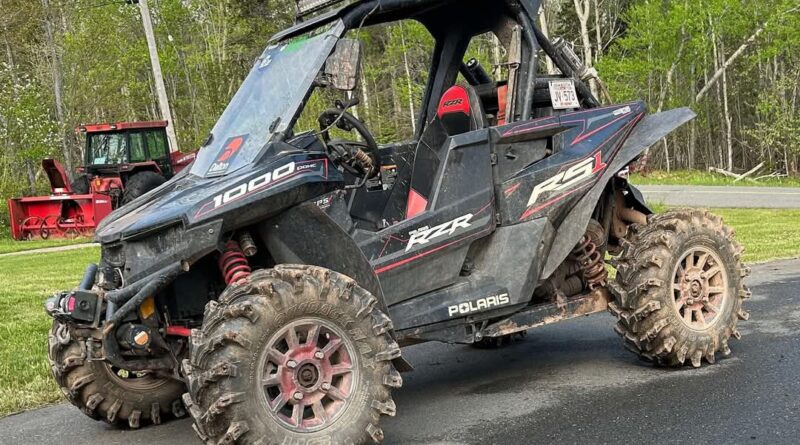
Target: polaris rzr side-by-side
(267, 290)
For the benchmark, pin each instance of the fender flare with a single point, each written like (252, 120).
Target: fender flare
(306, 234)
(649, 131)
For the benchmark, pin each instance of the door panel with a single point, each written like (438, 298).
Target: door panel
(427, 252)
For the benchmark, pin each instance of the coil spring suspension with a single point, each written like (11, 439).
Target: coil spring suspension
(592, 262)
(233, 264)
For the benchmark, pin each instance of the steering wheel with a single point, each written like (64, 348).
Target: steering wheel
(358, 158)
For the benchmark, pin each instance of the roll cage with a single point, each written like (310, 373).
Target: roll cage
(452, 24)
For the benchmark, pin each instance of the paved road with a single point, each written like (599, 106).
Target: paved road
(567, 383)
(729, 197)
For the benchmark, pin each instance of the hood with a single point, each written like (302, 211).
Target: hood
(251, 194)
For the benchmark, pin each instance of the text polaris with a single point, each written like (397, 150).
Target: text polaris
(478, 305)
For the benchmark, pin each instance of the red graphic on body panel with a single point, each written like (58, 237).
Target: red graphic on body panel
(233, 146)
(230, 150)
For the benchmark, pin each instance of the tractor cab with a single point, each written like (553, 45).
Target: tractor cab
(127, 159)
(126, 147)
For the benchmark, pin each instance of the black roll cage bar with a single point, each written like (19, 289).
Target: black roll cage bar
(452, 37)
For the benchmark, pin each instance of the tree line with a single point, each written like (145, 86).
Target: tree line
(66, 62)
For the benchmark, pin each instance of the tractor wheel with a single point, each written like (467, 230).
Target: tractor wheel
(80, 186)
(141, 183)
(679, 288)
(109, 394)
(295, 354)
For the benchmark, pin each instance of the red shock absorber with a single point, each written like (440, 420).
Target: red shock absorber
(233, 264)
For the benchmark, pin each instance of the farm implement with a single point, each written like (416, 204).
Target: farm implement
(122, 161)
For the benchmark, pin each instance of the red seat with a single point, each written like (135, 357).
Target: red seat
(459, 112)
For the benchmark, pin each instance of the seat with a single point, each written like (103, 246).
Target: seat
(460, 111)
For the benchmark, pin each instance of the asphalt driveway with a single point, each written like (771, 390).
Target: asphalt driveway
(722, 197)
(567, 383)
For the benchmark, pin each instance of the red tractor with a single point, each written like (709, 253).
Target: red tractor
(122, 161)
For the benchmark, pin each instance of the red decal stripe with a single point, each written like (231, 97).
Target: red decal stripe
(389, 267)
(628, 128)
(583, 137)
(510, 191)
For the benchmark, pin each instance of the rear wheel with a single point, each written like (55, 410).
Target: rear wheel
(679, 288)
(296, 354)
(110, 394)
(80, 186)
(141, 183)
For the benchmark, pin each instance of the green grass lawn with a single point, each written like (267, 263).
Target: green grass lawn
(696, 177)
(8, 245)
(766, 234)
(26, 280)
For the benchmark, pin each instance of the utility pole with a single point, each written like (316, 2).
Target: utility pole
(163, 101)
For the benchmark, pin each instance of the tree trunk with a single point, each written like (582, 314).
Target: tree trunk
(396, 102)
(365, 93)
(551, 69)
(56, 73)
(496, 57)
(155, 63)
(411, 110)
(717, 58)
(727, 113)
(724, 67)
(31, 177)
(598, 46)
(583, 8)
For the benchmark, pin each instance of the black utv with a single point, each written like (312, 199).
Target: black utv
(268, 289)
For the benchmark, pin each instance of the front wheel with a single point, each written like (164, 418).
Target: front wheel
(679, 288)
(295, 354)
(106, 393)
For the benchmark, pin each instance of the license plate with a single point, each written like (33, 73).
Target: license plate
(563, 95)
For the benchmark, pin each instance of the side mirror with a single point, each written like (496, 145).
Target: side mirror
(343, 66)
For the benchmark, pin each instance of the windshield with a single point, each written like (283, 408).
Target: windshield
(267, 101)
(108, 149)
(128, 146)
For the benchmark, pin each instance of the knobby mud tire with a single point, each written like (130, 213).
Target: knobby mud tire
(649, 319)
(100, 393)
(226, 353)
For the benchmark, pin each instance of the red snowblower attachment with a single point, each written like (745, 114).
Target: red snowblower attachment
(62, 214)
(122, 161)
